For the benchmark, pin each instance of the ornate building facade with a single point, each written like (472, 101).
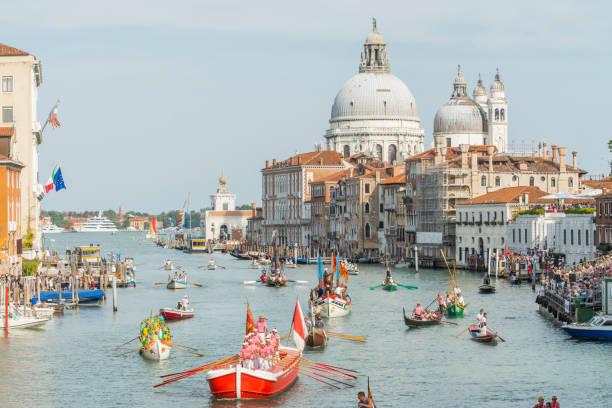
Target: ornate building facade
(375, 113)
(224, 222)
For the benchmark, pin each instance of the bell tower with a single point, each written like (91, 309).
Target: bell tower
(498, 116)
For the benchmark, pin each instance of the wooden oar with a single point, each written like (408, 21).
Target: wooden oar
(127, 352)
(328, 370)
(160, 283)
(324, 382)
(346, 336)
(457, 336)
(374, 287)
(251, 282)
(446, 321)
(194, 284)
(188, 351)
(121, 345)
(407, 287)
(297, 281)
(327, 365)
(321, 375)
(180, 345)
(222, 267)
(205, 366)
(498, 336)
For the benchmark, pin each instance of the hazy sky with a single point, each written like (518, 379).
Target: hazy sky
(157, 96)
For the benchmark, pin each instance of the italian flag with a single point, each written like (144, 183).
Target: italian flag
(50, 185)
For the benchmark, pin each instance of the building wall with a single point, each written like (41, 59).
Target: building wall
(24, 100)
(603, 219)
(212, 224)
(10, 217)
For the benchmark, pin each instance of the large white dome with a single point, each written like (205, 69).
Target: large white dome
(460, 115)
(371, 95)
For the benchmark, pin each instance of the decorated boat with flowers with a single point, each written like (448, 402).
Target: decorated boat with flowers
(155, 338)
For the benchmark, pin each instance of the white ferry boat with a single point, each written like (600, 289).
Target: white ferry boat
(52, 229)
(96, 224)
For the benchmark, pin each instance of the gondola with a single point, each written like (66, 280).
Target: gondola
(317, 337)
(486, 288)
(420, 323)
(476, 336)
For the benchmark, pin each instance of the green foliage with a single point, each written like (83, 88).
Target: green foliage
(27, 240)
(57, 217)
(579, 210)
(531, 212)
(244, 207)
(603, 247)
(29, 267)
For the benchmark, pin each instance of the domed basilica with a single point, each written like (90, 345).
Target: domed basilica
(375, 113)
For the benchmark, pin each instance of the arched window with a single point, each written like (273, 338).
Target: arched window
(570, 182)
(379, 152)
(553, 182)
(347, 151)
(392, 153)
(483, 181)
(497, 181)
(366, 208)
(531, 181)
(496, 114)
(502, 114)
(367, 231)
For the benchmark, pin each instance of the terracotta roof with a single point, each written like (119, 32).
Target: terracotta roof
(333, 177)
(235, 213)
(318, 158)
(399, 179)
(507, 195)
(8, 51)
(597, 183)
(451, 152)
(6, 131)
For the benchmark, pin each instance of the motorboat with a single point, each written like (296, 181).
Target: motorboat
(171, 313)
(598, 328)
(96, 224)
(52, 229)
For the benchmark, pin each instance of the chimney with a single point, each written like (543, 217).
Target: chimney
(574, 159)
(274, 162)
(320, 148)
(545, 151)
(443, 153)
(526, 199)
(490, 151)
(253, 209)
(474, 161)
(437, 155)
(540, 149)
(554, 152)
(562, 161)
(267, 163)
(464, 153)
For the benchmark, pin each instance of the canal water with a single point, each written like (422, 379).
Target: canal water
(69, 363)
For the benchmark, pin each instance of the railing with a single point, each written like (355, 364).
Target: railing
(391, 231)
(390, 206)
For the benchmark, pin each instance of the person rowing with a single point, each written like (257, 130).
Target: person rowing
(388, 279)
(364, 402)
(480, 317)
(417, 312)
(441, 303)
(487, 279)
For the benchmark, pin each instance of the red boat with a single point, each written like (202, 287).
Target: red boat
(237, 382)
(482, 338)
(175, 314)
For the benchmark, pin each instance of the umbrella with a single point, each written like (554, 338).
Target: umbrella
(560, 196)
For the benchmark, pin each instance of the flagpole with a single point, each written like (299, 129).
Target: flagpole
(48, 116)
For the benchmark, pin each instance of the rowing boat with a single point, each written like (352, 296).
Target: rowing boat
(170, 313)
(317, 337)
(390, 286)
(481, 338)
(156, 350)
(334, 306)
(420, 322)
(236, 382)
(155, 339)
(176, 284)
(455, 310)
(486, 288)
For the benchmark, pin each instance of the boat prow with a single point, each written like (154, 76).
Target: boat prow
(170, 313)
(156, 350)
(317, 337)
(232, 381)
(176, 284)
(486, 288)
(334, 306)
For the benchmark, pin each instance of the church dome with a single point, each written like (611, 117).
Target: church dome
(460, 114)
(371, 95)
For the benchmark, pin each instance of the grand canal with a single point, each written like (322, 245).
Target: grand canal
(69, 363)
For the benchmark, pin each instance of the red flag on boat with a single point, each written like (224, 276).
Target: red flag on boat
(334, 266)
(250, 322)
(299, 327)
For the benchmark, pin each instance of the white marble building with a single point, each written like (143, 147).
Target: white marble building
(482, 120)
(224, 222)
(375, 113)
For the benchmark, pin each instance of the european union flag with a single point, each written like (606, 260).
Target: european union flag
(58, 180)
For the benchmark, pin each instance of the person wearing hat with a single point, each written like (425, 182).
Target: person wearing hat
(262, 327)
(185, 302)
(418, 311)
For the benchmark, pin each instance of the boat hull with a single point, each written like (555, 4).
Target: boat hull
(390, 288)
(175, 314)
(156, 351)
(486, 288)
(26, 322)
(455, 311)
(333, 306)
(420, 323)
(316, 337)
(173, 284)
(588, 333)
(475, 335)
(236, 382)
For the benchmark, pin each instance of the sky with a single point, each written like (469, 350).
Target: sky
(157, 97)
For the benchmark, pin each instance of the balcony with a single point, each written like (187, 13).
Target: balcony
(391, 231)
(347, 215)
(390, 206)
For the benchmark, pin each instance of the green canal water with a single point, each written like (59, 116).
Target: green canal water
(69, 363)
